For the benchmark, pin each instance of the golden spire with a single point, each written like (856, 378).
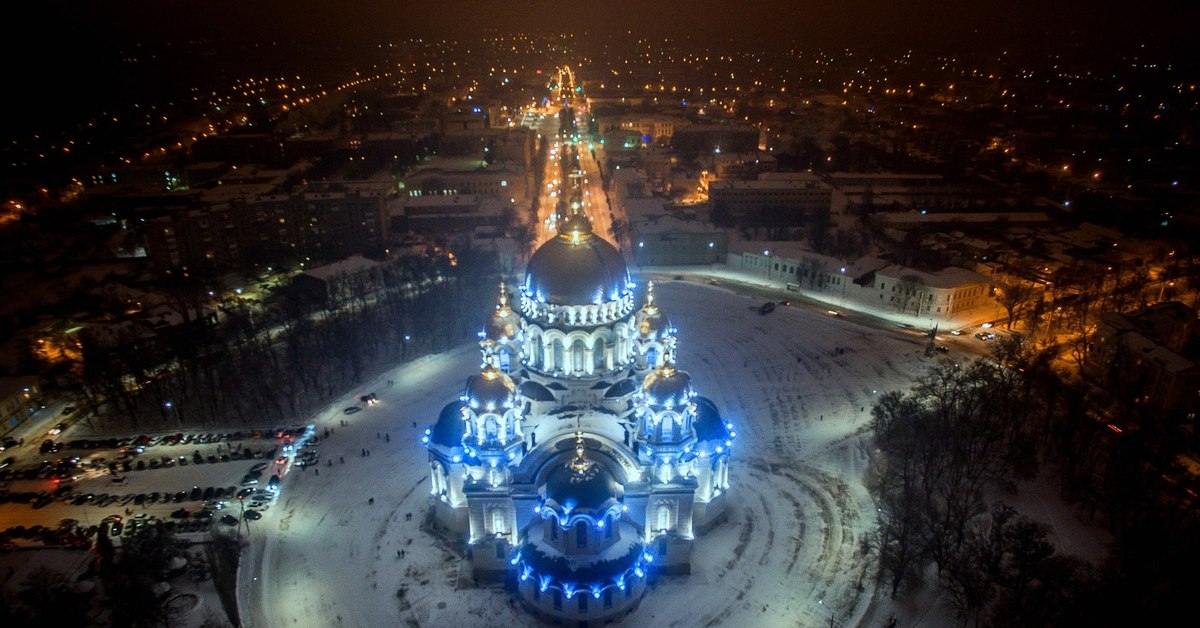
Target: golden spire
(576, 228)
(490, 371)
(502, 306)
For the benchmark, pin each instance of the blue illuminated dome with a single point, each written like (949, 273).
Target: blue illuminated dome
(449, 429)
(576, 267)
(581, 485)
(593, 489)
(709, 424)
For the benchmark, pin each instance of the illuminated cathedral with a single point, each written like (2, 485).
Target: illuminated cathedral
(579, 462)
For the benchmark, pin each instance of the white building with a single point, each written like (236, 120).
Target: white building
(869, 282)
(580, 459)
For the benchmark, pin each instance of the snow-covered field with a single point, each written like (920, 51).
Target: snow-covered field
(791, 553)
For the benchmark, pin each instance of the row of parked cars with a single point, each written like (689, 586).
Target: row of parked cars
(179, 438)
(115, 526)
(144, 499)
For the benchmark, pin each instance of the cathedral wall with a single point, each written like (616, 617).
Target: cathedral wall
(454, 520)
(489, 558)
(707, 515)
(672, 554)
(554, 607)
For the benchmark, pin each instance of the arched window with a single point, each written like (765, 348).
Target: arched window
(534, 350)
(652, 357)
(438, 478)
(558, 355)
(664, 517)
(504, 360)
(598, 354)
(581, 534)
(498, 522)
(491, 428)
(666, 427)
(578, 349)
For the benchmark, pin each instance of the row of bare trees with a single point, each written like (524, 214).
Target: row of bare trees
(962, 436)
(265, 366)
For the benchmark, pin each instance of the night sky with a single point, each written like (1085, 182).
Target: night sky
(65, 57)
(828, 23)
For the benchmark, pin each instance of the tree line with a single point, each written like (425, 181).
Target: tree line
(277, 365)
(953, 448)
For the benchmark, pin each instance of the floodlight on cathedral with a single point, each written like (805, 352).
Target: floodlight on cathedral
(578, 345)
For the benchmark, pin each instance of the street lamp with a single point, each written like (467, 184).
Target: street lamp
(170, 405)
(843, 282)
(831, 613)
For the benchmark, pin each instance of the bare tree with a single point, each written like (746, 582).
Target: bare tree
(910, 289)
(1013, 295)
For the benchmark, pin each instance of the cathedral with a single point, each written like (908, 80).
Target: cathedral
(580, 461)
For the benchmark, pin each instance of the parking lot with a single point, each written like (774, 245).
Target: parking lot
(185, 482)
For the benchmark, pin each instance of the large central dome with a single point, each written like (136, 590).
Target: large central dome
(576, 267)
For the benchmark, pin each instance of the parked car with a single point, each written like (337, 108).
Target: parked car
(229, 520)
(766, 308)
(253, 515)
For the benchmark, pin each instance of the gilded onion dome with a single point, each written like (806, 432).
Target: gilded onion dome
(667, 386)
(502, 326)
(491, 390)
(651, 322)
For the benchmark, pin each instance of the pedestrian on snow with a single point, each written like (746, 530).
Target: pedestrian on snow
(371, 502)
(317, 470)
(342, 459)
(387, 438)
(329, 462)
(414, 423)
(401, 553)
(376, 435)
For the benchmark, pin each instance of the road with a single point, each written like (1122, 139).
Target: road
(561, 188)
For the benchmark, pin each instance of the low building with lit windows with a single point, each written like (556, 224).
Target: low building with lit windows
(580, 462)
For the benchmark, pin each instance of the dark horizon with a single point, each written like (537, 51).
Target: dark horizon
(68, 57)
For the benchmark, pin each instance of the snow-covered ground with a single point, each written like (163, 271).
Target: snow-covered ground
(791, 553)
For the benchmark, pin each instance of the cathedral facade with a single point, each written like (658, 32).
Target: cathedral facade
(580, 461)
